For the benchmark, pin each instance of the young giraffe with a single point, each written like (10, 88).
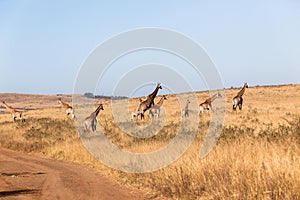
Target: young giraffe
(238, 99)
(91, 121)
(15, 113)
(185, 111)
(155, 110)
(207, 104)
(69, 109)
(149, 102)
(135, 114)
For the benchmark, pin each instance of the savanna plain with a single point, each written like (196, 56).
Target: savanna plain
(256, 157)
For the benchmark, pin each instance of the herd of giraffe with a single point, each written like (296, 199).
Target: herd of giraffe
(90, 123)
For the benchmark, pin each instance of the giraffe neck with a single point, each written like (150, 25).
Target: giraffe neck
(242, 91)
(187, 105)
(154, 93)
(65, 105)
(161, 101)
(139, 106)
(214, 97)
(96, 112)
(9, 108)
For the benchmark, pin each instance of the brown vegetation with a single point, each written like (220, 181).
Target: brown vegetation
(257, 156)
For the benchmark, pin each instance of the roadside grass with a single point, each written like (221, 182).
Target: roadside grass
(256, 157)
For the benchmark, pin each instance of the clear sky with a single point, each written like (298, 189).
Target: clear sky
(44, 43)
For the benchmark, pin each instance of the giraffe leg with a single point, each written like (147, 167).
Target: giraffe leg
(133, 115)
(207, 110)
(186, 113)
(151, 115)
(209, 107)
(73, 115)
(21, 117)
(138, 114)
(200, 110)
(234, 104)
(94, 128)
(142, 116)
(85, 126)
(240, 104)
(94, 125)
(14, 117)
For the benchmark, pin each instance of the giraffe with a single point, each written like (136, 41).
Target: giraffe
(238, 99)
(155, 110)
(135, 114)
(153, 94)
(91, 121)
(69, 109)
(15, 113)
(185, 111)
(149, 102)
(206, 105)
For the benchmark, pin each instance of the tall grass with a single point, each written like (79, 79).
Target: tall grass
(256, 157)
(241, 166)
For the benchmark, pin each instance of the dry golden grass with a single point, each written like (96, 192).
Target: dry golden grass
(257, 156)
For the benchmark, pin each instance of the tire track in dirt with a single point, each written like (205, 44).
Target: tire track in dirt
(24, 176)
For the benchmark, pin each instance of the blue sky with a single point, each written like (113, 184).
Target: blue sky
(44, 43)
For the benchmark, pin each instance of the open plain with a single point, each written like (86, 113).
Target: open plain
(256, 157)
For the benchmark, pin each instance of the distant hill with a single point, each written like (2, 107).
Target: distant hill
(102, 97)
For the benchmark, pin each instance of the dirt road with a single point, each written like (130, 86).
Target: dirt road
(25, 176)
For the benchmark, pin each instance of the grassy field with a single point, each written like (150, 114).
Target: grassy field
(256, 157)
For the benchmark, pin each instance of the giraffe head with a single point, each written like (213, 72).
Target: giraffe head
(246, 85)
(164, 97)
(101, 106)
(59, 100)
(159, 86)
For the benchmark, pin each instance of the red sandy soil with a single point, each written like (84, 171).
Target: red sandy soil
(24, 176)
